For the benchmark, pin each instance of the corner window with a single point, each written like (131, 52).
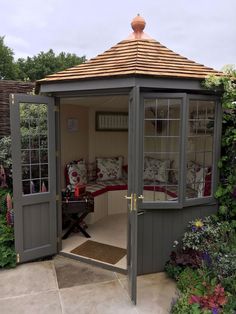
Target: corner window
(199, 159)
(161, 141)
(179, 149)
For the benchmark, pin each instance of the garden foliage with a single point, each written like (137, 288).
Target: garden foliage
(7, 249)
(226, 192)
(204, 265)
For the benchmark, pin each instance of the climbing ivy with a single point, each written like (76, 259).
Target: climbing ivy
(226, 192)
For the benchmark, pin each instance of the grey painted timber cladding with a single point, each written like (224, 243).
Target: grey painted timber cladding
(128, 82)
(158, 229)
(132, 179)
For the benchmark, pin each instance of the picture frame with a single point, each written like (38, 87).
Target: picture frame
(111, 121)
(72, 125)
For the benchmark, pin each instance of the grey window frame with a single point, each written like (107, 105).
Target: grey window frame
(216, 150)
(182, 202)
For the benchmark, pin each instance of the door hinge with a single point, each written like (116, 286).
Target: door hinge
(57, 197)
(17, 258)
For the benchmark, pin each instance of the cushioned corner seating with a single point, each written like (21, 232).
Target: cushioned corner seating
(108, 195)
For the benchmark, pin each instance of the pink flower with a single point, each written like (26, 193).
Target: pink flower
(9, 201)
(194, 299)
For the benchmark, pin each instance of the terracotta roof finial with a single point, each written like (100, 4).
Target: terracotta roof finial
(138, 24)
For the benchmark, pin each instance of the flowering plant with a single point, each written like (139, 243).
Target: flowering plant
(214, 298)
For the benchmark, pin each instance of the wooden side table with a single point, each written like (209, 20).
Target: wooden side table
(75, 210)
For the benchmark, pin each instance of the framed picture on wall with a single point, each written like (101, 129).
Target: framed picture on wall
(72, 125)
(111, 121)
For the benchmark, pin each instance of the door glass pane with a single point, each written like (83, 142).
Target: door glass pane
(34, 142)
(200, 148)
(161, 140)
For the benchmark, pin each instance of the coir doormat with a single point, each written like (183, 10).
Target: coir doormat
(99, 251)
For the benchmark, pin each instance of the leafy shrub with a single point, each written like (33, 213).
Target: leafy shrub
(182, 306)
(229, 284)
(226, 192)
(7, 250)
(5, 151)
(205, 235)
(209, 297)
(173, 271)
(205, 268)
(189, 279)
(5, 158)
(186, 257)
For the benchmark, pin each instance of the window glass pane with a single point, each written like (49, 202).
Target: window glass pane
(34, 142)
(44, 171)
(34, 156)
(200, 148)
(25, 156)
(161, 140)
(34, 171)
(25, 142)
(26, 187)
(25, 172)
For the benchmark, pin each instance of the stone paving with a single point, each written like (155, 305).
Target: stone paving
(65, 286)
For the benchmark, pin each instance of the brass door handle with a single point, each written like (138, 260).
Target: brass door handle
(131, 198)
(128, 197)
(141, 197)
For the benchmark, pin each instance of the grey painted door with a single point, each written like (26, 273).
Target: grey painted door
(34, 175)
(132, 198)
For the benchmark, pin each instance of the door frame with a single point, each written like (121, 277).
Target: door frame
(133, 162)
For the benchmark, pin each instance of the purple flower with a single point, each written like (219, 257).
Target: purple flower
(215, 311)
(206, 257)
(194, 228)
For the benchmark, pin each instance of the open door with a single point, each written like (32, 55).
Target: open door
(132, 195)
(34, 176)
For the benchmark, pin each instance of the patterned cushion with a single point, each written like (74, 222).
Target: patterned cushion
(109, 168)
(76, 173)
(156, 169)
(96, 189)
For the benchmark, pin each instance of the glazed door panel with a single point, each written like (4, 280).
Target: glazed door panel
(34, 175)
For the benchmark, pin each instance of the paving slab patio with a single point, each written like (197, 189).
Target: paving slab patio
(65, 286)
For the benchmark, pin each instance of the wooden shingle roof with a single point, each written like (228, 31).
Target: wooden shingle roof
(135, 56)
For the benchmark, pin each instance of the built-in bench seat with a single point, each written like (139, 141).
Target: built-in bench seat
(99, 188)
(109, 199)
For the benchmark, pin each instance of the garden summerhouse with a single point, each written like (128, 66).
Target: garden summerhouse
(131, 132)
